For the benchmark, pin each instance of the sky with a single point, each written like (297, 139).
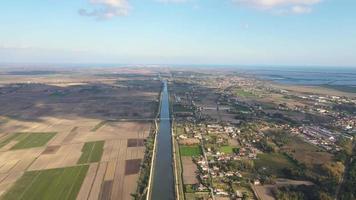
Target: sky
(201, 32)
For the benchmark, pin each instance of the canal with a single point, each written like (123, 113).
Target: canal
(163, 178)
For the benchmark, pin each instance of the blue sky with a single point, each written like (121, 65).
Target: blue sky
(225, 32)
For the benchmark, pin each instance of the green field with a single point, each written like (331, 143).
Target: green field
(7, 139)
(58, 94)
(243, 93)
(91, 152)
(241, 108)
(190, 150)
(227, 149)
(274, 162)
(52, 184)
(28, 140)
(179, 130)
(181, 108)
(197, 195)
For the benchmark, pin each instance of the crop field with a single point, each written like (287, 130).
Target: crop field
(190, 150)
(91, 125)
(306, 153)
(197, 195)
(28, 140)
(52, 184)
(92, 152)
(189, 171)
(8, 139)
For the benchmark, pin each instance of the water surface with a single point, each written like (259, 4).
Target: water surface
(163, 180)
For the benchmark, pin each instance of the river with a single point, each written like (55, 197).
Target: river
(163, 178)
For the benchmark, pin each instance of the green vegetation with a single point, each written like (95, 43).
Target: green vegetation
(189, 188)
(96, 127)
(333, 170)
(52, 184)
(58, 94)
(275, 163)
(190, 150)
(144, 177)
(243, 93)
(241, 108)
(91, 152)
(178, 168)
(197, 195)
(181, 108)
(28, 140)
(342, 88)
(301, 192)
(267, 146)
(179, 130)
(244, 188)
(348, 190)
(8, 139)
(279, 136)
(227, 149)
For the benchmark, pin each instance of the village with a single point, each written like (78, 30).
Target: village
(235, 130)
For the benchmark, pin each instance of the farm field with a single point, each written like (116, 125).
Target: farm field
(93, 126)
(190, 150)
(189, 171)
(91, 152)
(307, 154)
(273, 162)
(243, 93)
(63, 183)
(28, 140)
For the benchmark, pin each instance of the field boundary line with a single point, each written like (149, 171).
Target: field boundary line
(148, 196)
(91, 185)
(176, 176)
(103, 181)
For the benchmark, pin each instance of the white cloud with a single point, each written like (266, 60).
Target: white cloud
(280, 6)
(172, 1)
(107, 9)
(14, 46)
(301, 9)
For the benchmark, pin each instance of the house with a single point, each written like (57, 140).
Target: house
(238, 194)
(256, 182)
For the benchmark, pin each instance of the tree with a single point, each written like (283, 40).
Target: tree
(334, 170)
